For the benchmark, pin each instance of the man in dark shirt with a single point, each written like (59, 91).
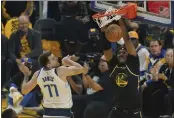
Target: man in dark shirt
(94, 44)
(99, 89)
(124, 73)
(24, 43)
(125, 76)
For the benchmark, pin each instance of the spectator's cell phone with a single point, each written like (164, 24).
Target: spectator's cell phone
(28, 64)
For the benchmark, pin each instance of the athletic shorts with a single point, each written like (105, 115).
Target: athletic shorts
(57, 113)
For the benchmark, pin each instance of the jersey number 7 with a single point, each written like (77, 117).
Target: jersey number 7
(50, 89)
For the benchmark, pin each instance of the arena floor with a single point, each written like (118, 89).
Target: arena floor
(27, 113)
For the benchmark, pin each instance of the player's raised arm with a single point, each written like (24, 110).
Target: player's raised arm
(129, 46)
(108, 53)
(69, 67)
(112, 33)
(106, 45)
(27, 85)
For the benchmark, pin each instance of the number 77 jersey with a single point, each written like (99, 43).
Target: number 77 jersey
(56, 92)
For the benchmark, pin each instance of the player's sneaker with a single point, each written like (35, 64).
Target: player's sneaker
(17, 98)
(15, 95)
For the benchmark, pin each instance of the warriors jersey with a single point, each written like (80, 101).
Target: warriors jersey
(56, 92)
(125, 79)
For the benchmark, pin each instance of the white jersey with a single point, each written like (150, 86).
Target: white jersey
(56, 92)
(143, 54)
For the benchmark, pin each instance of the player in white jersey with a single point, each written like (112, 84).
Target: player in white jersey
(52, 79)
(142, 52)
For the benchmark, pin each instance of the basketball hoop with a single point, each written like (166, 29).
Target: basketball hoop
(104, 18)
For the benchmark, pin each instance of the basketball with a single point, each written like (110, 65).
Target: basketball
(113, 33)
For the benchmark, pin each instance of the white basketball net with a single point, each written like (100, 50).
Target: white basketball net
(103, 21)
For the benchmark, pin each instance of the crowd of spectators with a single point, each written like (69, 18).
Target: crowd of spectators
(80, 36)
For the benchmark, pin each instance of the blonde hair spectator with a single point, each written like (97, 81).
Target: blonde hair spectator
(169, 57)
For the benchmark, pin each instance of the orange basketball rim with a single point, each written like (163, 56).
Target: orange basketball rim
(128, 11)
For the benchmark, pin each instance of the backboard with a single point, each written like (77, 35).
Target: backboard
(152, 12)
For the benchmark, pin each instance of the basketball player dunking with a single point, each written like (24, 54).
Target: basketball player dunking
(124, 74)
(57, 98)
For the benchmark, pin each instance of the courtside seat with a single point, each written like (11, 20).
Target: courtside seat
(46, 27)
